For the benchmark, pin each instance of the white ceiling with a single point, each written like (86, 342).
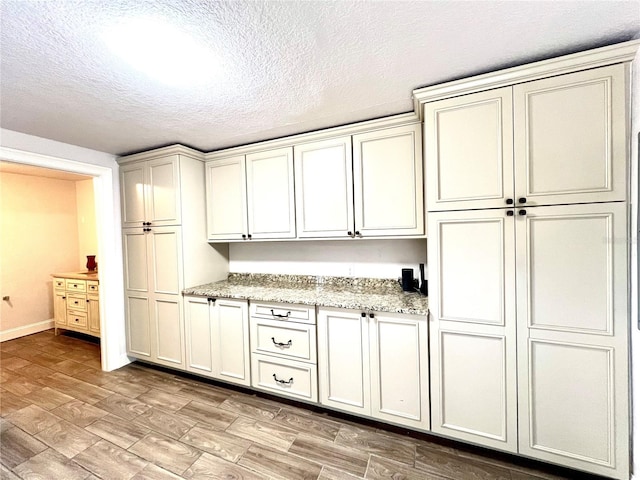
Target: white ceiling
(285, 67)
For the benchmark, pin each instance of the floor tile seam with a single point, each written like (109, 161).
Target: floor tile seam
(223, 431)
(200, 452)
(67, 460)
(368, 449)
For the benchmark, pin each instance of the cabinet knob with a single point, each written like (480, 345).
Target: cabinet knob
(522, 212)
(371, 315)
(249, 236)
(363, 314)
(509, 201)
(244, 236)
(522, 200)
(509, 213)
(211, 300)
(350, 234)
(358, 234)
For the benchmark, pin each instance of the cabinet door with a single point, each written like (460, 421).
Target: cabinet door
(400, 369)
(343, 360)
(469, 151)
(388, 182)
(230, 337)
(136, 261)
(573, 336)
(324, 188)
(60, 307)
(138, 323)
(198, 328)
(164, 247)
(473, 326)
(167, 330)
(270, 198)
(570, 137)
(162, 196)
(132, 192)
(93, 314)
(226, 199)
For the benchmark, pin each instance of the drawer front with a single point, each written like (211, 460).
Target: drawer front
(284, 311)
(284, 339)
(76, 285)
(77, 302)
(58, 283)
(92, 286)
(77, 319)
(285, 377)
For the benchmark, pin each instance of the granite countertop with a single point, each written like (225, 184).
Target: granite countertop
(380, 295)
(77, 275)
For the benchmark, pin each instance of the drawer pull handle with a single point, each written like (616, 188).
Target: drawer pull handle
(281, 345)
(280, 316)
(283, 382)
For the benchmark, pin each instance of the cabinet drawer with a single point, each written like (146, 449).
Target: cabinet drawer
(285, 377)
(76, 285)
(285, 339)
(284, 311)
(92, 286)
(58, 283)
(78, 319)
(77, 302)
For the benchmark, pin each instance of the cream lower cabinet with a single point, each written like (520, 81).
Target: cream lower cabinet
(76, 305)
(217, 339)
(153, 300)
(374, 364)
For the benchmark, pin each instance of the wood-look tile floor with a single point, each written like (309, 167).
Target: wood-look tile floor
(62, 418)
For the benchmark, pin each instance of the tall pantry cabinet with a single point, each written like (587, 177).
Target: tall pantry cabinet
(164, 248)
(528, 218)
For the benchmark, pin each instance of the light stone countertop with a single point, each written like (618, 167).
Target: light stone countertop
(380, 295)
(77, 275)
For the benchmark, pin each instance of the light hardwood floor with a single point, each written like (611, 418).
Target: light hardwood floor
(62, 418)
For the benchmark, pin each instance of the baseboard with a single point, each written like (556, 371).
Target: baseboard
(25, 330)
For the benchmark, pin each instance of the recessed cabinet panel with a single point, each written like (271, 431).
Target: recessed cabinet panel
(132, 185)
(473, 260)
(563, 421)
(136, 272)
(168, 323)
(570, 145)
(286, 339)
(198, 331)
(388, 190)
(93, 314)
(138, 326)
(226, 199)
(231, 337)
(164, 191)
(324, 188)
(468, 143)
(166, 245)
(270, 194)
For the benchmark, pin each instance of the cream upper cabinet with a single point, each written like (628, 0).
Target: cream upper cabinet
(251, 197)
(573, 336)
(324, 188)
(150, 192)
(270, 194)
(553, 141)
(227, 199)
(388, 182)
(473, 326)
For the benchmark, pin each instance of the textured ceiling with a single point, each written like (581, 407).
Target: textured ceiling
(284, 67)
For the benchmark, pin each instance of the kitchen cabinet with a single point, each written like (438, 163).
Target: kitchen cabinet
(76, 304)
(375, 365)
(251, 197)
(374, 189)
(556, 140)
(159, 260)
(217, 338)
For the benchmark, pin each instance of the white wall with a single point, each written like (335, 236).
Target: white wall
(342, 258)
(22, 148)
(635, 198)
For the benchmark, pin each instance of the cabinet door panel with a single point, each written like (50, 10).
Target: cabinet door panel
(231, 341)
(132, 192)
(199, 334)
(165, 245)
(469, 147)
(343, 337)
(163, 194)
(388, 182)
(324, 188)
(93, 314)
(270, 197)
(60, 307)
(138, 326)
(167, 316)
(570, 143)
(226, 199)
(136, 262)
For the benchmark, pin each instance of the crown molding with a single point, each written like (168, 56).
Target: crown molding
(599, 57)
(345, 130)
(176, 149)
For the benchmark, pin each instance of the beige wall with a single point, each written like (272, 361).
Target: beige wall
(38, 236)
(87, 231)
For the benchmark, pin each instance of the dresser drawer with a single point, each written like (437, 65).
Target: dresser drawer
(285, 377)
(59, 283)
(77, 319)
(284, 311)
(92, 286)
(77, 302)
(76, 285)
(293, 340)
